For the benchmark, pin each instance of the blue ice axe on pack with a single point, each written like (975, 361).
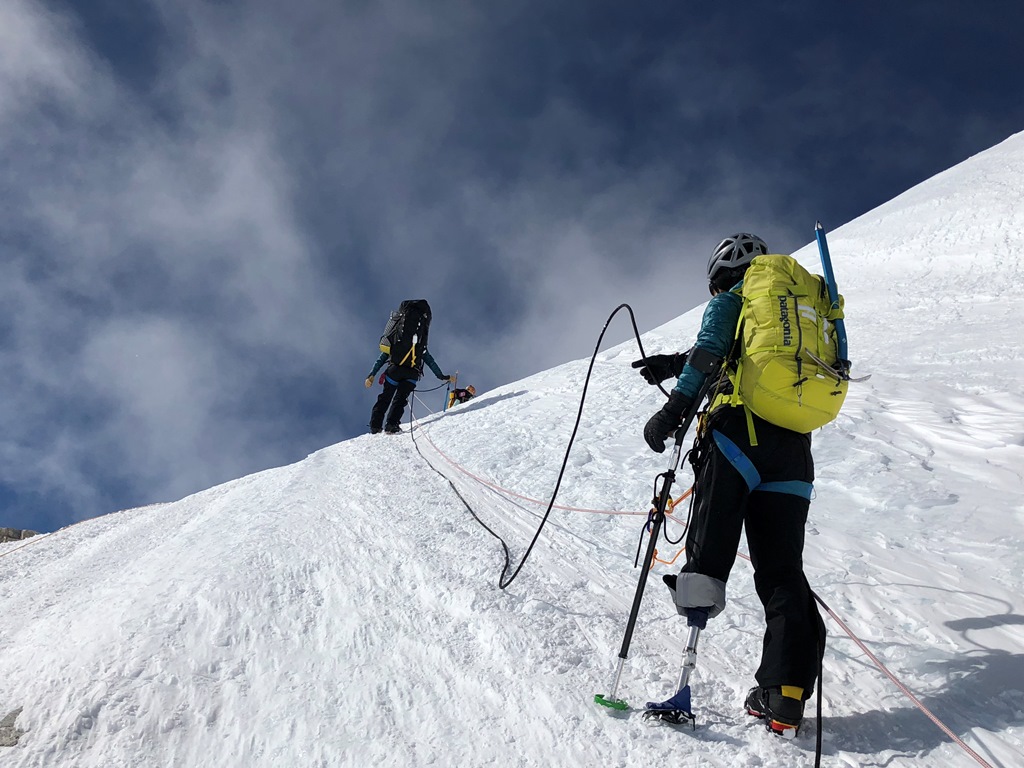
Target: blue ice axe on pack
(843, 363)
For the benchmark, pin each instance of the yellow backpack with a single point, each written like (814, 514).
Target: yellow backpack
(786, 372)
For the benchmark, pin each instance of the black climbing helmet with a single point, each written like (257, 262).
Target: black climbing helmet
(731, 257)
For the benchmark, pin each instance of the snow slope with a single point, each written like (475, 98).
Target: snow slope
(345, 610)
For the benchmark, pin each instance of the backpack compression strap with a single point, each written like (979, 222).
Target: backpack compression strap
(734, 399)
(410, 356)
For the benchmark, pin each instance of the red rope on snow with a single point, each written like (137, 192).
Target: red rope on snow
(506, 491)
(30, 540)
(896, 681)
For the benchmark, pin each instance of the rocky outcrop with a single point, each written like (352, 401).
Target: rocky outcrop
(9, 732)
(14, 534)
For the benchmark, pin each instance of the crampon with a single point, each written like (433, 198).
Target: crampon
(676, 710)
(674, 716)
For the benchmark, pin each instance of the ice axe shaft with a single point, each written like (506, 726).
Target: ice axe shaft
(656, 524)
(659, 516)
(833, 293)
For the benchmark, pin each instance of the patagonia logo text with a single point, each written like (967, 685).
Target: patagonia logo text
(787, 328)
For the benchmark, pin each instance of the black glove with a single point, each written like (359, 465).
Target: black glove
(657, 368)
(666, 421)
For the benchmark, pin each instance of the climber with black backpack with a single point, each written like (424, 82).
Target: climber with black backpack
(403, 345)
(770, 331)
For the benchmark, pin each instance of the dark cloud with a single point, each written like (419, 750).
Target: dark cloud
(209, 208)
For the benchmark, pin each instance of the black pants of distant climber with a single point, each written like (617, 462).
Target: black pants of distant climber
(397, 397)
(765, 488)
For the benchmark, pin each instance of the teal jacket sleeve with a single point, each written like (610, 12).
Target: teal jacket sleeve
(716, 335)
(379, 364)
(429, 360)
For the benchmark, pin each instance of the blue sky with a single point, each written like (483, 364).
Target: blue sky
(207, 209)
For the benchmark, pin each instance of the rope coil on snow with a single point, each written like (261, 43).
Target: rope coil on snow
(493, 486)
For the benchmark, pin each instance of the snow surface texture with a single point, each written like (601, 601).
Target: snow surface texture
(344, 611)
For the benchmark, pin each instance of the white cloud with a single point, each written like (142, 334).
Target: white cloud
(286, 173)
(153, 273)
(36, 62)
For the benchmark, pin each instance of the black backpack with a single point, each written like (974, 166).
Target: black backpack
(405, 335)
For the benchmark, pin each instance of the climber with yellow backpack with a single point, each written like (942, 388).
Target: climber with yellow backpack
(460, 395)
(769, 336)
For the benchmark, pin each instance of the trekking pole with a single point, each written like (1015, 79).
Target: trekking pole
(447, 391)
(658, 518)
(669, 476)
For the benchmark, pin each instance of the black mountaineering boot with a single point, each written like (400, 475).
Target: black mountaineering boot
(782, 715)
